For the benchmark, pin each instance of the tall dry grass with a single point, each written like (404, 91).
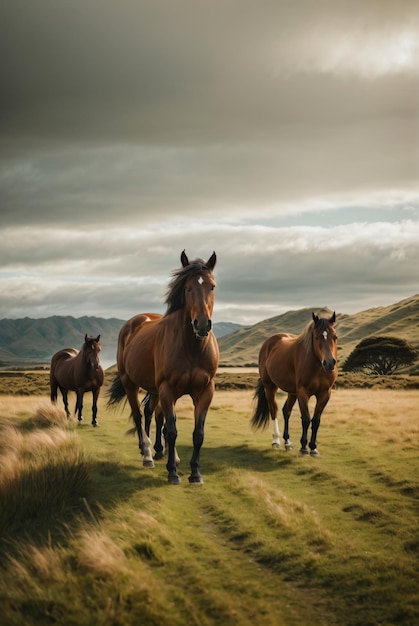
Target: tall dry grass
(42, 465)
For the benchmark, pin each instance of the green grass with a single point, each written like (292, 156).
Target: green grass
(270, 538)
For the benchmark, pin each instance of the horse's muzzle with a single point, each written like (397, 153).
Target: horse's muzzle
(329, 365)
(201, 331)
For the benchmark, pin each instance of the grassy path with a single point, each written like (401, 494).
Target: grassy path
(270, 538)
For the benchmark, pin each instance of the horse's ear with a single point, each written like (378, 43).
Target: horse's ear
(85, 337)
(332, 320)
(184, 259)
(98, 338)
(212, 261)
(315, 317)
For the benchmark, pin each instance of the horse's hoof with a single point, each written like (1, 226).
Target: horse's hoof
(158, 456)
(94, 424)
(148, 463)
(276, 445)
(314, 452)
(288, 446)
(80, 418)
(303, 451)
(196, 478)
(174, 479)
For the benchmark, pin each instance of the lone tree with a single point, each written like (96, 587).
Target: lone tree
(380, 355)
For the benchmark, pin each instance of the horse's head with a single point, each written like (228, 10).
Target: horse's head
(199, 293)
(91, 350)
(325, 341)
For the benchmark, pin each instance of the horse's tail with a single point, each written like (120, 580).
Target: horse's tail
(261, 415)
(116, 393)
(53, 385)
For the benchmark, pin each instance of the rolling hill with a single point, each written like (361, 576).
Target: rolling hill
(400, 320)
(29, 341)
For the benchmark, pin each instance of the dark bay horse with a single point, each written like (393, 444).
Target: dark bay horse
(79, 371)
(302, 366)
(171, 356)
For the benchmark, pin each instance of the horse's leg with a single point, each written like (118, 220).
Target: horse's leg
(79, 405)
(286, 412)
(322, 400)
(144, 442)
(158, 445)
(201, 409)
(151, 405)
(95, 393)
(270, 393)
(167, 403)
(64, 394)
(303, 399)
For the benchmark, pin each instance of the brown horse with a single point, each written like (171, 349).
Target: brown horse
(302, 366)
(79, 371)
(170, 356)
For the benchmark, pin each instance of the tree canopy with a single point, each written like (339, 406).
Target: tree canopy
(380, 355)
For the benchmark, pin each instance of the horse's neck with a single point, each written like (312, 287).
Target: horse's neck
(80, 361)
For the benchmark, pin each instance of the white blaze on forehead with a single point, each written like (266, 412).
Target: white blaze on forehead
(200, 280)
(325, 334)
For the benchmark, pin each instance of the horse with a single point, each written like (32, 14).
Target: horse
(170, 356)
(303, 366)
(79, 371)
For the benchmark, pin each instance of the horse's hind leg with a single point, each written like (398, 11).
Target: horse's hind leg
(270, 393)
(144, 442)
(64, 394)
(151, 405)
(286, 412)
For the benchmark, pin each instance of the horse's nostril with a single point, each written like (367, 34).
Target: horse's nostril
(195, 324)
(209, 325)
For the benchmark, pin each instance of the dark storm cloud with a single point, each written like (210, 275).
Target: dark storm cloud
(130, 130)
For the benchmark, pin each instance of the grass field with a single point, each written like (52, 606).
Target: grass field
(270, 538)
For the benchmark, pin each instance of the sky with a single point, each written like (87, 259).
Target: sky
(281, 135)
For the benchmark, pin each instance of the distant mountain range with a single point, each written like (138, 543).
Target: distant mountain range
(33, 341)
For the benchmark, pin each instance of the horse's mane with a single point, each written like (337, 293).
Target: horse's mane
(175, 298)
(306, 335)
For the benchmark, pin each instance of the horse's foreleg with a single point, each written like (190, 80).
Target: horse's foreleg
(201, 409)
(94, 406)
(270, 393)
(303, 399)
(79, 405)
(322, 400)
(286, 412)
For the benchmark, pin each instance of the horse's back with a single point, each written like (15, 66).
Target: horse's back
(276, 361)
(65, 354)
(135, 344)
(61, 366)
(133, 327)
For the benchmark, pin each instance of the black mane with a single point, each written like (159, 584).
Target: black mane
(175, 298)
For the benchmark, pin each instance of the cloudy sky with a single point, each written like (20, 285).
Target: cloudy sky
(281, 134)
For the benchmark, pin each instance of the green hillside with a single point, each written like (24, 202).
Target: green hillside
(33, 341)
(401, 320)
